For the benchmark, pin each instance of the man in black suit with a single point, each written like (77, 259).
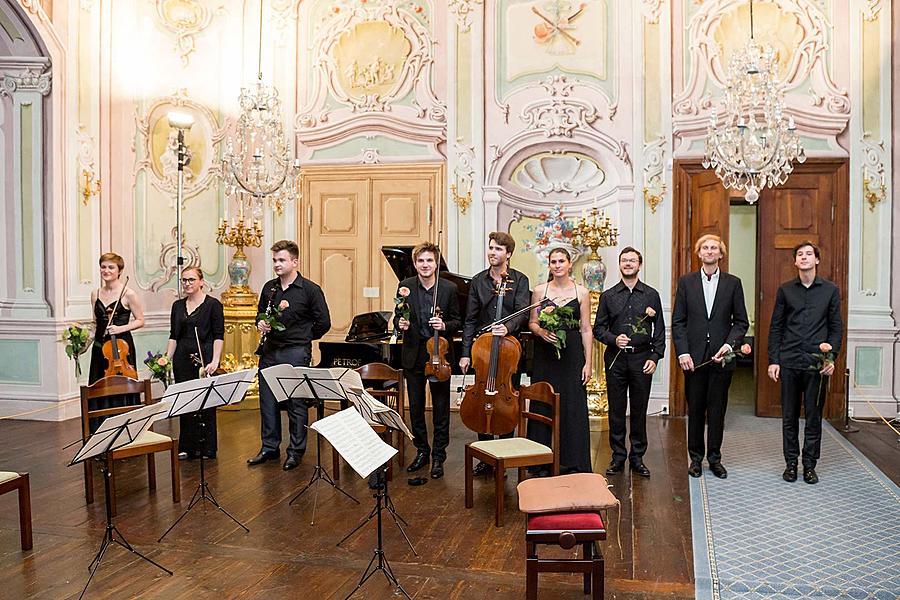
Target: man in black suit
(804, 337)
(709, 320)
(421, 325)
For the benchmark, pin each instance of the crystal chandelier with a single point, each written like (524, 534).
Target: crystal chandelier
(257, 159)
(753, 146)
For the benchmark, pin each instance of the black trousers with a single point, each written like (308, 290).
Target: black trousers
(810, 386)
(627, 383)
(440, 410)
(269, 415)
(707, 397)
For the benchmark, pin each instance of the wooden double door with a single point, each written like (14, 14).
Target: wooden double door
(812, 205)
(347, 214)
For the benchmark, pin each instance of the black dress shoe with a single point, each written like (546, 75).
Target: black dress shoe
(292, 461)
(437, 469)
(615, 468)
(790, 473)
(695, 470)
(418, 462)
(482, 468)
(641, 469)
(718, 470)
(263, 456)
(809, 475)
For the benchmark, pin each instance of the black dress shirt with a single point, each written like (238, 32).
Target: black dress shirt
(620, 308)
(426, 305)
(803, 318)
(482, 305)
(306, 318)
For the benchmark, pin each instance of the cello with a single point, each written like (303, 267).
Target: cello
(437, 367)
(490, 404)
(116, 351)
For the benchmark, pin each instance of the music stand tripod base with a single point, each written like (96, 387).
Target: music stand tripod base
(392, 511)
(202, 493)
(379, 561)
(319, 473)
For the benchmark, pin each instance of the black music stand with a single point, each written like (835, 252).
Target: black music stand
(193, 396)
(312, 386)
(376, 412)
(350, 434)
(115, 432)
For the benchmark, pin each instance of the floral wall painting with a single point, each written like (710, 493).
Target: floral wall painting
(569, 35)
(369, 58)
(160, 141)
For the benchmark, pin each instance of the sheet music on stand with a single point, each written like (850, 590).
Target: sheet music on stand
(120, 430)
(355, 441)
(376, 412)
(309, 383)
(209, 392)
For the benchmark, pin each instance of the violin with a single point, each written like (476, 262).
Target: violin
(116, 351)
(437, 367)
(490, 404)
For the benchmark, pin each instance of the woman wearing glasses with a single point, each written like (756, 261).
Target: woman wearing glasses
(196, 338)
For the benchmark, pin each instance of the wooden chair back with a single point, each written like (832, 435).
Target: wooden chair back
(117, 385)
(541, 391)
(387, 376)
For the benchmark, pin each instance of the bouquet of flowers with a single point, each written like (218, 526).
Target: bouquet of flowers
(160, 366)
(638, 326)
(272, 315)
(558, 319)
(76, 337)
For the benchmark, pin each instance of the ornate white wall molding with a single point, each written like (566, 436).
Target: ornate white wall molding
(871, 9)
(463, 10)
(26, 81)
(185, 19)
(651, 10)
(168, 252)
(560, 114)
(800, 30)
(569, 172)
(160, 163)
(354, 90)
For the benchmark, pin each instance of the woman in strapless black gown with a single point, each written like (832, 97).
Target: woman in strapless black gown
(570, 372)
(128, 316)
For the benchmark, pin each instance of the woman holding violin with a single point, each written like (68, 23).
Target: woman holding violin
(567, 368)
(117, 312)
(426, 354)
(196, 338)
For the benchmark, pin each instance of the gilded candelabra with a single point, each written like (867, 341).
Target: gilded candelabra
(595, 231)
(239, 301)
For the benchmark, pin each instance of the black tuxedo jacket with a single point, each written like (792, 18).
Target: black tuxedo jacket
(726, 324)
(447, 301)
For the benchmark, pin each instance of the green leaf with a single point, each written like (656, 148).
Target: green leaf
(277, 326)
(561, 334)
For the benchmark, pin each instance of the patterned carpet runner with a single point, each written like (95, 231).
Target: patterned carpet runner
(758, 537)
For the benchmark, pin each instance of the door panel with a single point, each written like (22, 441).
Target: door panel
(709, 212)
(338, 246)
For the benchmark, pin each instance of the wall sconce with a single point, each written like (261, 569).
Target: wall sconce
(873, 195)
(462, 202)
(654, 200)
(90, 186)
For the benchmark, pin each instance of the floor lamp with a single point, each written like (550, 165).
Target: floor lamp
(181, 121)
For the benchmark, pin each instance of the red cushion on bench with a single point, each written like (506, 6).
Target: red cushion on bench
(565, 521)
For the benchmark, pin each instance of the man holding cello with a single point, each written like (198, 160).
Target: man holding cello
(482, 307)
(433, 316)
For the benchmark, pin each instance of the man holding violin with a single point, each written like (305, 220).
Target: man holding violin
(433, 315)
(482, 307)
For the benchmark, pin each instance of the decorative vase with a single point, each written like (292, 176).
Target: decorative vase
(594, 273)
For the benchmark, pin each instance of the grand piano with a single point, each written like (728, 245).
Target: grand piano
(368, 339)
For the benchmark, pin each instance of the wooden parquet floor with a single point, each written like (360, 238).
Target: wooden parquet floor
(462, 555)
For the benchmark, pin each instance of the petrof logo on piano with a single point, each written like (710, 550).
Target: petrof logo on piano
(347, 362)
